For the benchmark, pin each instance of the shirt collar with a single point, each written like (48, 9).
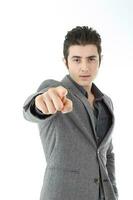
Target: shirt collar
(97, 93)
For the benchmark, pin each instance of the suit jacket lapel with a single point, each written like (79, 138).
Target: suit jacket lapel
(70, 85)
(108, 134)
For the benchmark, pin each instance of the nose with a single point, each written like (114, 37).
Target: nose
(85, 66)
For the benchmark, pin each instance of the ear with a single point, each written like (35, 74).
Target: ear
(101, 60)
(64, 60)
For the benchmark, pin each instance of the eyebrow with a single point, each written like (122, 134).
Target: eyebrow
(92, 56)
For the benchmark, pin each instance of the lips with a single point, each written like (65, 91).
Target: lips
(85, 75)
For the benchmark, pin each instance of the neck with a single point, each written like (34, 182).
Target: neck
(88, 89)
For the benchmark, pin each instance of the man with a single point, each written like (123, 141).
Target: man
(76, 121)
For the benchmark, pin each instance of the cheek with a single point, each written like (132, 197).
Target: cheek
(73, 68)
(95, 71)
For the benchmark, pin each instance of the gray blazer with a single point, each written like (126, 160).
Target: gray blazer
(71, 152)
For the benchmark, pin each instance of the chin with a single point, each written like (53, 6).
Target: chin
(85, 83)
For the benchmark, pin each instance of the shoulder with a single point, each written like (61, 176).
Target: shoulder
(48, 83)
(109, 100)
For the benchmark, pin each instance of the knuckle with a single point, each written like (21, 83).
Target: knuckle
(37, 98)
(60, 106)
(51, 108)
(60, 86)
(46, 97)
(50, 90)
(52, 111)
(36, 102)
(45, 109)
(46, 112)
(44, 94)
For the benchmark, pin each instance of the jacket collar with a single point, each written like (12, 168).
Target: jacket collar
(80, 93)
(95, 90)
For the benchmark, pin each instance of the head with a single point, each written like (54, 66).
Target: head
(82, 54)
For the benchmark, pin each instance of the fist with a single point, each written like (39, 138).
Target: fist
(54, 100)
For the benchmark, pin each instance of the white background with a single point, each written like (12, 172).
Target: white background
(31, 43)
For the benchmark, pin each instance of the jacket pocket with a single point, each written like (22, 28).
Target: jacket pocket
(63, 169)
(61, 183)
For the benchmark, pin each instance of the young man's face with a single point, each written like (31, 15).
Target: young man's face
(83, 64)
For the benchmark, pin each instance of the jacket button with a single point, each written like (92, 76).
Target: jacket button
(96, 180)
(98, 151)
(105, 180)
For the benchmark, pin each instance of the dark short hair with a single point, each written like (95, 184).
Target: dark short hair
(82, 35)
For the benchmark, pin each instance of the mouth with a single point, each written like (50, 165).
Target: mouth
(85, 77)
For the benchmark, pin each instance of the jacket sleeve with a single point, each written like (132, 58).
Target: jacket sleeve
(30, 111)
(111, 167)
(111, 162)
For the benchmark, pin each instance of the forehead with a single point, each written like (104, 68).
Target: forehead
(83, 50)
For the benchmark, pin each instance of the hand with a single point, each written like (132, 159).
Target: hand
(54, 100)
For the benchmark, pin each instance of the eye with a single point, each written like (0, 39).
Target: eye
(76, 60)
(92, 58)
